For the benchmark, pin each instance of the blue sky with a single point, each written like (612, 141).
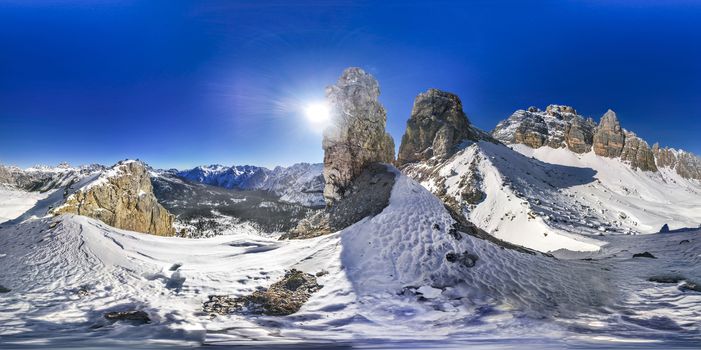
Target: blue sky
(179, 84)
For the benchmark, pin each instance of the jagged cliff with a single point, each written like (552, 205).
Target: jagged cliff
(436, 126)
(122, 197)
(562, 127)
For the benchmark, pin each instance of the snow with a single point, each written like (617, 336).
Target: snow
(648, 199)
(379, 269)
(549, 199)
(15, 202)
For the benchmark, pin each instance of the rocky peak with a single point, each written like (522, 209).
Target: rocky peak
(559, 110)
(557, 127)
(609, 138)
(561, 126)
(122, 197)
(436, 126)
(356, 136)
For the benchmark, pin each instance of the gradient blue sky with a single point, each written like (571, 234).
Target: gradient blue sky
(179, 84)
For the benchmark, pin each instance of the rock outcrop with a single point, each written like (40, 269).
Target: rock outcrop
(356, 136)
(436, 126)
(122, 197)
(609, 138)
(284, 297)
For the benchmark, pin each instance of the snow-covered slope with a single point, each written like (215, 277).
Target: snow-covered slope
(300, 183)
(549, 199)
(400, 276)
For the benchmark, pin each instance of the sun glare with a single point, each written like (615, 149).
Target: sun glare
(317, 113)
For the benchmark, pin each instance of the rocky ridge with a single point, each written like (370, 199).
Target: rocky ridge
(45, 178)
(121, 197)
(561, 127)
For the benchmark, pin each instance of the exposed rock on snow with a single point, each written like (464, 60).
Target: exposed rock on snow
(135, 317)
(356, 136)
(122, 197)
(436, 126)
(284, 297)
(644, 255)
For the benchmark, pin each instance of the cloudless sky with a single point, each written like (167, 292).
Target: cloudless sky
(183, 83)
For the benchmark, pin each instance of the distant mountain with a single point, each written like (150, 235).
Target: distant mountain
(301, 183)
(561, 127)
(43, 178)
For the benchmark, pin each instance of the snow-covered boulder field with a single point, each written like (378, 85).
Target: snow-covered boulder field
(402, 275)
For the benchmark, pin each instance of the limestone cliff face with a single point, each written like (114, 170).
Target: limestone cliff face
(436, 126)
(637, 152)
(122, 197)
(561, 126)
(609, 137)
(684, 163)
(356, 136)
(557, 127)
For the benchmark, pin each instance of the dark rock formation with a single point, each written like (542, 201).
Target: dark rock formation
(122, 197)
(664, 229)
(436, 126)
(609, 138)
(356, 136)
(284, 297)
(644, 255)
(666, 279)
(465, 258)
(133, 316)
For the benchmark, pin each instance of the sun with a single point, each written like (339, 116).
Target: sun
(317, 113)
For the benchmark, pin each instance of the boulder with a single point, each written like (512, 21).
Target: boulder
(122, 197)
(356, 136)
(609, 138)
(436, 126)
